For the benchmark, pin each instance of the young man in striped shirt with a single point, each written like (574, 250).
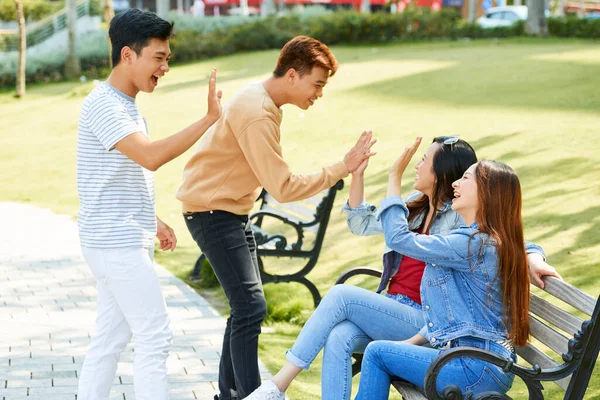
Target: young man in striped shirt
(117, 220)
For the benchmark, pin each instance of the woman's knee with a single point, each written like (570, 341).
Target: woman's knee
(337, 295)
(374, 350)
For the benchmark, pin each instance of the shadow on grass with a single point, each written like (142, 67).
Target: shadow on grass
(498, 76)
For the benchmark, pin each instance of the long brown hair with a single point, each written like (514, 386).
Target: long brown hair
(499, 216)
(449, 163)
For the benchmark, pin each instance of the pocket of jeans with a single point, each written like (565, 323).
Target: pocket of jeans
(489, 381)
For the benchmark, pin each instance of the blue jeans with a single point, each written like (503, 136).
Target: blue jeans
(346, 320)
(384, 360)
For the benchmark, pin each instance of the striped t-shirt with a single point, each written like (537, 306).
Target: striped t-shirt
(116, 195)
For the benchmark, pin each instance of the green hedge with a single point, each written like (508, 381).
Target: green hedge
(272, 33)
(572, 26)
(341, 27)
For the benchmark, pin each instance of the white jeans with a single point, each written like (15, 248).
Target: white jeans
(129, 302)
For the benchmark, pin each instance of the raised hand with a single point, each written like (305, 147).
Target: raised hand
(399, 166)
(360, 152)
(214, 98)
(361, 168)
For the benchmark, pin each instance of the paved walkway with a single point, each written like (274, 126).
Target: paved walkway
(47, 312)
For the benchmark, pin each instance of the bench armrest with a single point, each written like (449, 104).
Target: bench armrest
(358, 271)
(266, 237)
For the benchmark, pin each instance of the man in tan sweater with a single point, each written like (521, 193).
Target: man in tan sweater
(239, 156)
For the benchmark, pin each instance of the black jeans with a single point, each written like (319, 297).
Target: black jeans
(227, 241)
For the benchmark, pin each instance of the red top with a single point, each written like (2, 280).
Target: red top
(407, 280)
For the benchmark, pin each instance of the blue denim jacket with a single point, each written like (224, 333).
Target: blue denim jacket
(363, 221)
(460, 292)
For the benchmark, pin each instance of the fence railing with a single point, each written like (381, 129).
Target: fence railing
(43, 29)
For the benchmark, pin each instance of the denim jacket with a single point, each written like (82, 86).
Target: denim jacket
(363, 221)
(460, 291)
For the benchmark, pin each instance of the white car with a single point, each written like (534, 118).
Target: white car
(502, 16)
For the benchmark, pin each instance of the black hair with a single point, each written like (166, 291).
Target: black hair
(135, 28)
(449, 163)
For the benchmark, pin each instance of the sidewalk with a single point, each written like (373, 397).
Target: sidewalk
(47, 312)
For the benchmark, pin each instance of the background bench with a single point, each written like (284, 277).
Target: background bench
(293, 230)
(565, 342)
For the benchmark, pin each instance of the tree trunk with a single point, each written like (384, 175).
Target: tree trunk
(22, 50)
(267, 7)
(109, 14)
(536, 23)
(365, 6)
(162, 8)
(73, 67)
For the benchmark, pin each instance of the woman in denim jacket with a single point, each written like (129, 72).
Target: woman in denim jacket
(348, 318)
(475, 289)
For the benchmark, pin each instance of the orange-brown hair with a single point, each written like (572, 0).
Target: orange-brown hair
(499, 216)
(303, 53)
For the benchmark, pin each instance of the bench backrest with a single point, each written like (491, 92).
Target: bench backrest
(311, 214)
(557, 327)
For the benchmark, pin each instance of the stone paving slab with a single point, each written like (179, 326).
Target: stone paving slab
(47, 313)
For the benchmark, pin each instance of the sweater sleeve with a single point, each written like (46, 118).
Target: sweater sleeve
(260, 145)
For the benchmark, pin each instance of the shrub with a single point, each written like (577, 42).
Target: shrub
(572, 26)
(34, 10)
(204, 24)
(96, 8)
(208, 37)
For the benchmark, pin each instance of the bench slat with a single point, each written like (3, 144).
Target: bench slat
(408, 390)
(555, 315)
(534, 356)
(316, 199)
(570, 294)
(548, 336)
(293, 218)
(305, 213)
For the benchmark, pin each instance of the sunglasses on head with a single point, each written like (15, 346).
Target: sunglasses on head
(451, 140)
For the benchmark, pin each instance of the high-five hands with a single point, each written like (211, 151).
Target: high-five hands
(359, 155)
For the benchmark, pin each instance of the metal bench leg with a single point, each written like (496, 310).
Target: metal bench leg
(313, 290)
(268, 278)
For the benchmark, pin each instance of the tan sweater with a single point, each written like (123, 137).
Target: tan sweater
(240, 154)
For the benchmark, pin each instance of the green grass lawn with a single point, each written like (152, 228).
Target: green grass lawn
(530, 103)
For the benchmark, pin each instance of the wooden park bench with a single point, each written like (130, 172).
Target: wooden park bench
(564, 335)
(293, 230)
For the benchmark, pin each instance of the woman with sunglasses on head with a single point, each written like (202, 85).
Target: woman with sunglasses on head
(348, 318)
(475, 288)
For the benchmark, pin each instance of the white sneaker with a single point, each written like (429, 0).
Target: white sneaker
(267, 391)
